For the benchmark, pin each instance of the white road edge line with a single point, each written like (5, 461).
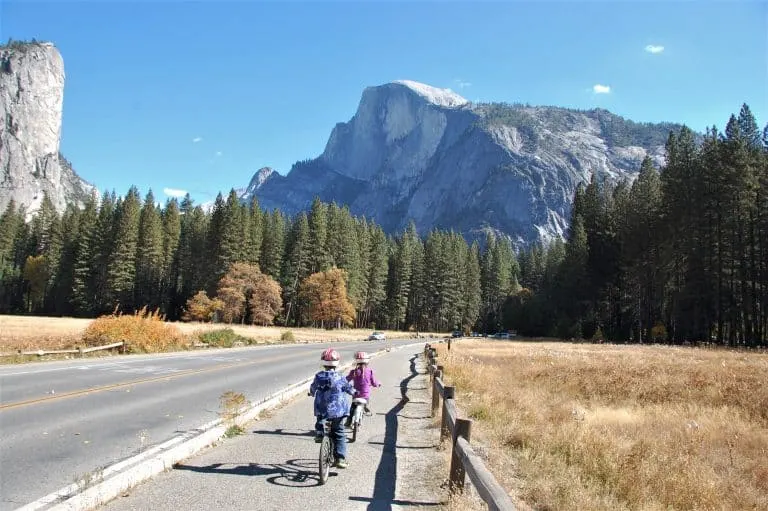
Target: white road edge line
(117, 478)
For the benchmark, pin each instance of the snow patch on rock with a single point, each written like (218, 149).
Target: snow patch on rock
(440, 97)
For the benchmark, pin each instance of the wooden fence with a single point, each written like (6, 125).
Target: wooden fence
(464, 460)
(75, 351)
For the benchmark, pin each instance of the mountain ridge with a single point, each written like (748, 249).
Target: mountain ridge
(410, 154)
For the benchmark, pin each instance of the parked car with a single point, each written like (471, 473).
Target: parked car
(457, 333)
(377, 336)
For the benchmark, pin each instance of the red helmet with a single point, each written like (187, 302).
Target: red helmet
(362, 357)
(330, 358)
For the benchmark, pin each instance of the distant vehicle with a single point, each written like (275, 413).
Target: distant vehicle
(501, 335)
(377, 336)
(457, 333)
(474, 334)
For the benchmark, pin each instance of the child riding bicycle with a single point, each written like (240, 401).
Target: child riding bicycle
(331, 404)
(363, 379)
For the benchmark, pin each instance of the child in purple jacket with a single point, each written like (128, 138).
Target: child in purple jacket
(363, 379)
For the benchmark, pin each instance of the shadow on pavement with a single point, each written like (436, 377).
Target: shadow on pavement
(375, 505)
(406, 446)
(298, 473)
(287, 432)
(386, 473)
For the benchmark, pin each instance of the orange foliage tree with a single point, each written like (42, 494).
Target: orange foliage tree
(326, 295)
(244, 289)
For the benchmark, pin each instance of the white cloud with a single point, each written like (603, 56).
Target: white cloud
(218, 153)
(654, 48)
(601, 89)
(197, 139)
(174, 192)
(461, 84)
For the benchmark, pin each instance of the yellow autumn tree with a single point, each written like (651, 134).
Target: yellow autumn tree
(201, 308)
(325, 293)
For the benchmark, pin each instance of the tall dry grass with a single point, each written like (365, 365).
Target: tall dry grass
(143, 332)
(613, 428)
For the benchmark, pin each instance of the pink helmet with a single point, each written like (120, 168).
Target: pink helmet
(362, 357)
(330, 358)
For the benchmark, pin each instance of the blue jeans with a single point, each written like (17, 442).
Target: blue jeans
(338, 433)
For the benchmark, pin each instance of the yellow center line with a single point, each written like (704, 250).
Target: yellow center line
(112, 386)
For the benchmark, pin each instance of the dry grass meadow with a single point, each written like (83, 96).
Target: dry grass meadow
(148, 333)
(602, 427)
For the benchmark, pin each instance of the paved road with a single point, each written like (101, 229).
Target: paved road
(62, 420)
(393, 465)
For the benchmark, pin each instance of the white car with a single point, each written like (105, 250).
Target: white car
(377, 336)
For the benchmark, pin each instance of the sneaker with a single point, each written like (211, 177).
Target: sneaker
(341, 463)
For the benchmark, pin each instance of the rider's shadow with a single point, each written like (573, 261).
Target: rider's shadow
(296, 473)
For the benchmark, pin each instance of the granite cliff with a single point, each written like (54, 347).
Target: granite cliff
(31, 100)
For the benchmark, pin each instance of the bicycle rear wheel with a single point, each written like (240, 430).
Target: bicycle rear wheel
(326, 459)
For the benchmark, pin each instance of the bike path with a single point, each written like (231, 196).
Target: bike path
(273, 465)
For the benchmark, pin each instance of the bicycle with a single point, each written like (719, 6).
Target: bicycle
(359, 404)
(327, 457)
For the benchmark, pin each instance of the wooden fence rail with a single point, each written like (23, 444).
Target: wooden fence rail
(78, 351)
(464, 459)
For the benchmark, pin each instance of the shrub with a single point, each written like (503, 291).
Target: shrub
(222, 338)
(143, 332)
(287, 337)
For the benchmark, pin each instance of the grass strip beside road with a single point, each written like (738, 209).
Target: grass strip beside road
(604, 427)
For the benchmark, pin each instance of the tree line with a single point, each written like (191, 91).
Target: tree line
(680, 254)
(128, 253)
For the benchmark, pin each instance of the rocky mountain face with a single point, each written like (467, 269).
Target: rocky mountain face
(31, 98)
(415, 152)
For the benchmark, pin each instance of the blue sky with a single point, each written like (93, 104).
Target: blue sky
(199, 95)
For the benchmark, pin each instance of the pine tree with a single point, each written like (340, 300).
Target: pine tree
(104, 246)
(254, 232)
(121, 273)
(171, 219)
(399, 280)
(149, 255)
(472, 290)
(273, 245)
(296, 264)
(62, 291)
(320, 259)
(84, 276)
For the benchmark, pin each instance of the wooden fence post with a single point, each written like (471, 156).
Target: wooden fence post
(436, 392)
(448, 393)
(458, 473)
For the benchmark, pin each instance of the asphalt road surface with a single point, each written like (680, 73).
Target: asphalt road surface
(273, 466)
(63, 420)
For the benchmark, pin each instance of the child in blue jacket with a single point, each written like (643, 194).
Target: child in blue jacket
(330, 389)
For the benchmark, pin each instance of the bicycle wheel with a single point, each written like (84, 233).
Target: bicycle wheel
(326, 459)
